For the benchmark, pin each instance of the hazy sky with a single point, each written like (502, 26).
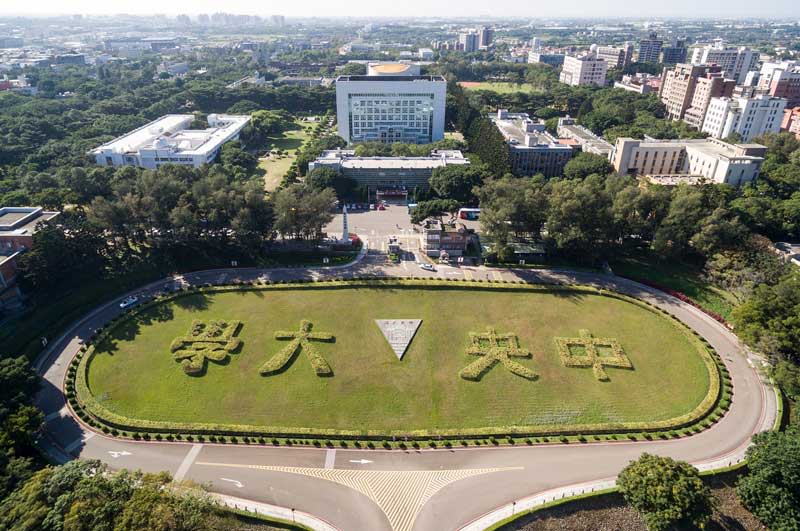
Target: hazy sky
(528, 8)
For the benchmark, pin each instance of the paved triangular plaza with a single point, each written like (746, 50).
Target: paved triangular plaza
(399, 333)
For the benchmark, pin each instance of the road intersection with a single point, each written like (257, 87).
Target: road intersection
(394, 490)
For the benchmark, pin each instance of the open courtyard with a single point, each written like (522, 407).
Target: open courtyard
(447, 381)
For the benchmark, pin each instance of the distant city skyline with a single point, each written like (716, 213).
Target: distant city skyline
(420, 8)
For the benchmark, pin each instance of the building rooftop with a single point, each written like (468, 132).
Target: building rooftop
(22, 221)
(171, 132)
(521, 132)
(710, 147)
(379, 79)
(347, 159)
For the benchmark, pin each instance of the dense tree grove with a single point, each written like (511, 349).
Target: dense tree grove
(771, 488)
(19, 423)
(83, 495)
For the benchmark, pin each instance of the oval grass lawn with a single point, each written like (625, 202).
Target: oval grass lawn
(134, 374)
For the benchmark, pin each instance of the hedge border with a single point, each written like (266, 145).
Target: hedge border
(88, 409)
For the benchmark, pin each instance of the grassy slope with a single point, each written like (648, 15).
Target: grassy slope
(289, 142)
(371, 389)
(679, 277)
(504, 87)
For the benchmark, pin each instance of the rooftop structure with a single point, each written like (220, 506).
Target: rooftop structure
(640, 83)
(393, 69)
(712, 159)
(588, 141)
(17, 227)
(384, 175)
(532, 150)
(168, 140)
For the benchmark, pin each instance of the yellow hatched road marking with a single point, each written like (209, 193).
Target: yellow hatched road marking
(400, 494)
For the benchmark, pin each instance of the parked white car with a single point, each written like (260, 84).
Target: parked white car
(127, 303)
(427, 267)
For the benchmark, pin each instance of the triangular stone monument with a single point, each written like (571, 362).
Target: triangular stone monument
(399, 333)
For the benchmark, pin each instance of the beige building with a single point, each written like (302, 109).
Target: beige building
(678, 87)
(691, 161)
(584, 70)
(616, 56)
(712, 85)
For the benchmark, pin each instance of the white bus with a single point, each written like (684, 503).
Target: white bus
(470, 214)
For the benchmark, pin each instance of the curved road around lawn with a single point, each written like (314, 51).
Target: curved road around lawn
(394, 490)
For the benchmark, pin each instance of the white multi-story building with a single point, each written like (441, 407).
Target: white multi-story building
(690, 161)
(169, 140)
(749, 117)
(391, 107)
(584, 70)
(735, 62)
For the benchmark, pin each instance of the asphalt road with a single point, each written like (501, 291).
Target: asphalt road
(403, 490)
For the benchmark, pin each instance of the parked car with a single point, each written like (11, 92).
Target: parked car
(427, 267)
(130, 301)
(381, 207)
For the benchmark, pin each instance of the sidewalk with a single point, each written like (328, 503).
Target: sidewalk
(274, 511)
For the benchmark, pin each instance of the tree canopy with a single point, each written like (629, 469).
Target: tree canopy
(667, 493)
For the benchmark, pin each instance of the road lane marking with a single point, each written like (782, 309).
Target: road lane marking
(79, 441)
(187, 461)
(63, 412)
(116, 455)
(497, 275)
(467, 274)
(360, 461)
(330, 458)
(238, 484)
(400, 494)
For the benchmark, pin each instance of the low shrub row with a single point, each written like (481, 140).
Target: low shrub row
(90, 410)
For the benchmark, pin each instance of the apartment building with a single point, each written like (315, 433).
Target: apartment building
(531, 149)
(486, 37)
(584, 70)
(791, 121)
(398, 107)
(650, 49)
(616, 56)
(469, 42)
(781, 80)
(692, 161)
(675, 53)
(678, 87)
(169, 140)
(747, 117)
(735, 62)
(712, 85)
